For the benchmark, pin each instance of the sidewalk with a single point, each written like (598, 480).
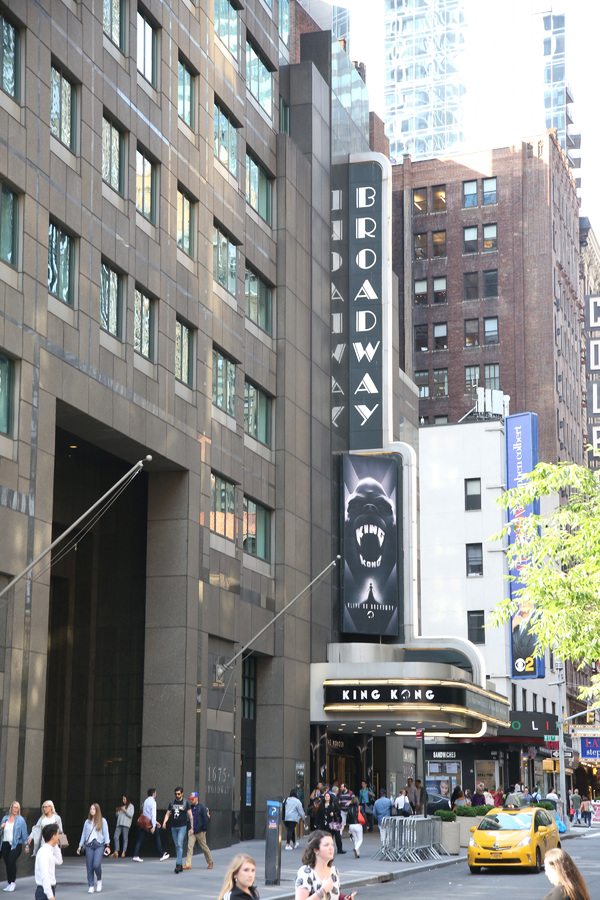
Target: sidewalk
(123, 879)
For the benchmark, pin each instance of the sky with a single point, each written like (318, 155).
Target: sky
(503, 70)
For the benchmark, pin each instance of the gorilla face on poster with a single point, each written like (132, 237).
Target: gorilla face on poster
(370, 545)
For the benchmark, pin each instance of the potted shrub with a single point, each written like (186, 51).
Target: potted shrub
(450, 831)
(468, 816)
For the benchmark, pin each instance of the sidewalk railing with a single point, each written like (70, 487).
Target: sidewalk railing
(411, 839)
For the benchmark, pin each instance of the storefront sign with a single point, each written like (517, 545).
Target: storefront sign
(521, 458)
(443, 754)
(590, 747)
(371, 545)
(532, 724)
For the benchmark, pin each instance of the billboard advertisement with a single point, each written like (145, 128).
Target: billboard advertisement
(371, 545)
(521, 432)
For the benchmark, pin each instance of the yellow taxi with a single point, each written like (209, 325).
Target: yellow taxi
(517, 837)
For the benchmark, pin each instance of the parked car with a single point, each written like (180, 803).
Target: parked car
(517, 837)
(435, 802)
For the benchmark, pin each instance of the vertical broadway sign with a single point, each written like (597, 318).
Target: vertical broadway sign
(521, 458)
(366, 337)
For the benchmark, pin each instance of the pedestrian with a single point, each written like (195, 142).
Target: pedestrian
(94, 839)
(344, 798)
(49, 816)
(419, 806)
(315, 801)
(318, 877)
(124, 819)
(402, 804)
(197, 833)
(46, 859)
(353, 814)
(382, 809)
(478, 798)
(14, 837)
(565, 876)
(239, 879)
(411, 793)
(292, 814)
(576, 806)
(459, 801)
(366, 798)
(149, 812)
(180, 811)
(552, 797)
(585, 811)
(329, 819)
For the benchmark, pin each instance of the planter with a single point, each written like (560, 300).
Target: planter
(466, 823)
(451, 837)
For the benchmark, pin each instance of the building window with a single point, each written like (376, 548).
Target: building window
(258, 189)
(439, 198)
(472, 493)
(544, 710)
(469, 194)
(471, 377)
(284, 113)
(284, 21)
(490, 331)
(10, 64)
(524, 699)
(420, 244)
(489, 191)
(471, 285)
(440, 336)
(185, 93)
(439, 243)
(9, 226)
(471, 332)
(257, 414)
(257, 530)
(553, 707)
(440, 420)
(421, 338)
(145, 186)
(514, 696)
(7, 377)
(222, 507)
(490, 237)
(185, 223)
(147, 40)
(223, 382)
(225, 140)
(113, 156)
(492, 377)
(184, 357)
(258, 79)
(470, 239)
(224, 260)
(143, 324)
(476, 626)
(61, 264)
(421, 292)
(419, 201)
(490, 283)
(113, 21)
(474, 560)
(111, 295)
(439, 290)
(440, 382)
(534, 700)
(226, 25)
(258, 301)
(422, 382)
(62, 109)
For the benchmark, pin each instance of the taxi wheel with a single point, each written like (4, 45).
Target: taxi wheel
(538, 860)
(475, 870)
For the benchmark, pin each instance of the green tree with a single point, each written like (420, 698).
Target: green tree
(559, 554)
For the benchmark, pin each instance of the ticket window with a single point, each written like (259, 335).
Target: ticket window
(444, 776)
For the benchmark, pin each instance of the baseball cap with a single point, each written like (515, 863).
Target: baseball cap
(193, 795)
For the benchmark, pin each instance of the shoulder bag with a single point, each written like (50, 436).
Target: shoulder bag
(144, 822)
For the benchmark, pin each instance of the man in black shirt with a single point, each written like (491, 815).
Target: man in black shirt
(181, 813)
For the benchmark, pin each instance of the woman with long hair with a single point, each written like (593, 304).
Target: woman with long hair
(13, 829)
(565, 876)
(292, 814)
(318, 876)
(124, 818)
(49, 816)
(238, 883)
(329, 819)
(354, 826)
(94, 839)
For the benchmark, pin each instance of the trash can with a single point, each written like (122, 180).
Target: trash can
(273, 842)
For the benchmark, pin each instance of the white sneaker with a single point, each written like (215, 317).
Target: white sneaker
(98, 887)
(287, 847)
(90, 890)
(296, 845)
(10, 887)
(137, 859)
(164, 856)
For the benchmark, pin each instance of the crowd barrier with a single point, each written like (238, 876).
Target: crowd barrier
(411, 839)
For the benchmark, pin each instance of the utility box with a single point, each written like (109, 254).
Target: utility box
(273, 842)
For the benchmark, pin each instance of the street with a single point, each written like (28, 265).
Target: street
(457, 881)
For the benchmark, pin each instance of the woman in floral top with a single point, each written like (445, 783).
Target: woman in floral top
(318, 877)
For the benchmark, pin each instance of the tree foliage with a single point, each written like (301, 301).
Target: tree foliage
(560, 557)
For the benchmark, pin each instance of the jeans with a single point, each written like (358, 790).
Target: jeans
(40, 893)
(200, 839)
(178, 835)
(140, 840)
(10, 858)
(94, 852)
(121, 831)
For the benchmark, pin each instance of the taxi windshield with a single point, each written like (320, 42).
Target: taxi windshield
(502, 821)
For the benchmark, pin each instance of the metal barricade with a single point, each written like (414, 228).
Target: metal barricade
(411, 839)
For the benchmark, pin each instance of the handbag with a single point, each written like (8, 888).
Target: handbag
(144, 822)
(361, 818)
(335, 826)
(63, 840)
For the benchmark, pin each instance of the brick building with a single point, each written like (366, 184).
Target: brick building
(487, 245)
